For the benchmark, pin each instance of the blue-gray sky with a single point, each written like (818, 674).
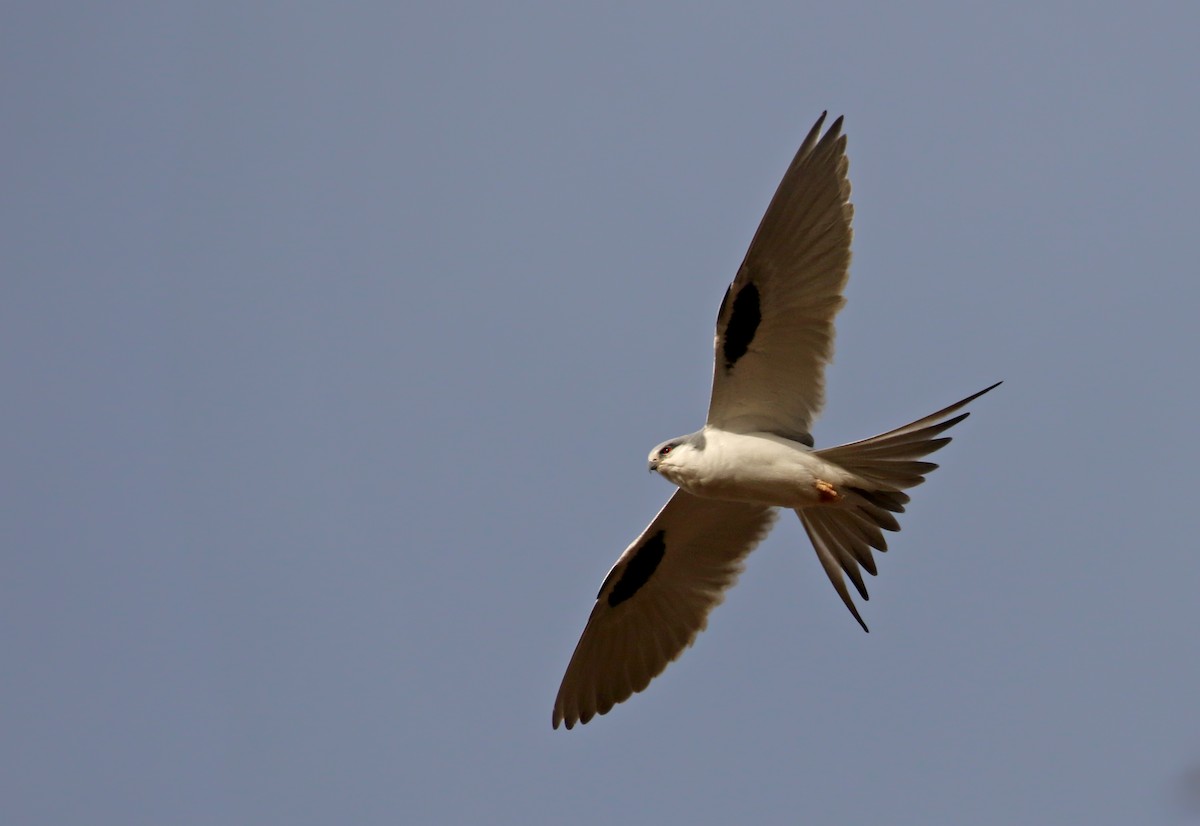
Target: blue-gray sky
(333, 339)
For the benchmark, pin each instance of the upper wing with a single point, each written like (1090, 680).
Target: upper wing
(775, 326)
(656, 599)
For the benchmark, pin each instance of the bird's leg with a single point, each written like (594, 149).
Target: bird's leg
(826, 493)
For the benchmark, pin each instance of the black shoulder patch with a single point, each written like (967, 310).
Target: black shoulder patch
(639, 569)
(743, 323)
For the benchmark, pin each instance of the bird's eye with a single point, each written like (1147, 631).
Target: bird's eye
(664, 451)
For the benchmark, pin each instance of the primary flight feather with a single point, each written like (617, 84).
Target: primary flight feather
(755, 452)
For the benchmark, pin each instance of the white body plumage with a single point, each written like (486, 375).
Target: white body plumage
(760, 468)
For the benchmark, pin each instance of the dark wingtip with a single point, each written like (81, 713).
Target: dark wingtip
(857, 616)
(988, 389)
(971, 398)
(811, 139)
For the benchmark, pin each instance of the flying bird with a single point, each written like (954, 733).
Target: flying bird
(755, 453)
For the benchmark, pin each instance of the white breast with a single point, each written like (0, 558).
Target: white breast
(755, 467)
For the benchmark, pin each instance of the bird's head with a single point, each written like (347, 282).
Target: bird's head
(668, 457)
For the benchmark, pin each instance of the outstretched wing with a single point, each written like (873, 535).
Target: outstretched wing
(656, 599)
(775, 326)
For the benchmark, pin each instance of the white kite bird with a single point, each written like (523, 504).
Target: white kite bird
(754, 454)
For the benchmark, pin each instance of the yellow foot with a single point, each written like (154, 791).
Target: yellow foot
(826, 493)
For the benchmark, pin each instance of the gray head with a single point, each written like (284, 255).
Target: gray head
(670, 452)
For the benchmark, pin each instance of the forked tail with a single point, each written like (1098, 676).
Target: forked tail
(888, 464)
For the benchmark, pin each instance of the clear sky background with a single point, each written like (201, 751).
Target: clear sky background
(333, 338)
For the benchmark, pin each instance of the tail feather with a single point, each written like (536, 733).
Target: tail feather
(889, 500)
(843, 535)
(870, 533)
(833, 550)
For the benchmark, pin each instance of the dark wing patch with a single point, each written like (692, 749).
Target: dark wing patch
(639, 569)
(743, 323)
